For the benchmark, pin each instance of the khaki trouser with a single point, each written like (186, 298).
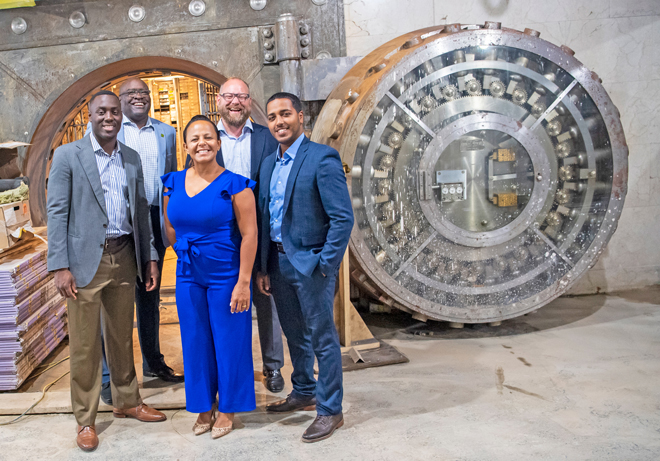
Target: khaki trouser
(111, 295)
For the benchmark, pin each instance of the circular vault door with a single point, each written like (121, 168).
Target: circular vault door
(488, 170)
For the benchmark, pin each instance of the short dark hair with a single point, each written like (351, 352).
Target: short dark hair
(295, 101)
(102, 93)
(200, 118)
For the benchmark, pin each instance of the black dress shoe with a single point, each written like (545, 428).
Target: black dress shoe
(274, 380)
(292, 404)
(166, 374)
(106, 393)
(323, 427)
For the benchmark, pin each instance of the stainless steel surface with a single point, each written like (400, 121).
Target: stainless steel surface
(49, 71)
(489, 169)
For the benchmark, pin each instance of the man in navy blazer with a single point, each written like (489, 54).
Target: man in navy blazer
(306, 221)
(244, 147)
(155, 142)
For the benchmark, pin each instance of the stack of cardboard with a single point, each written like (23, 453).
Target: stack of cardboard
(32, 314)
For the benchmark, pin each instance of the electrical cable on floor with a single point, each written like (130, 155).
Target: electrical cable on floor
(43, 391)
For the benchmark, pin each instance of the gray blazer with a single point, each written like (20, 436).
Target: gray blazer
(77, 218)
(166, 136)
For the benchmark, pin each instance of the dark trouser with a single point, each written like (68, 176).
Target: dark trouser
(270, 331)
(147, 304)
(305, 309)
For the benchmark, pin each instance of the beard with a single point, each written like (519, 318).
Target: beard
(233, 119)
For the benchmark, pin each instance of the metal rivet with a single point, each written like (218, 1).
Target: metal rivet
(18, 26)
(268, 33)
(567, 50)
(304, 54)
(323, 55)
(539, 176)
(197, 7)
(492, 25)
(304, 41)
(484, 223)
(352, 96)
(77, 19)
(319, 2)
(269, 57)
(269, 45)
(258, 5)
(136, 13)
(215, 63)
(304, 29)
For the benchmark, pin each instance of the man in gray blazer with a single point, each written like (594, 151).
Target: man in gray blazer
(99, 241)
(155, 142)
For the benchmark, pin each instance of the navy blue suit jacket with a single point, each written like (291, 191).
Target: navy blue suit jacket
(317, 218)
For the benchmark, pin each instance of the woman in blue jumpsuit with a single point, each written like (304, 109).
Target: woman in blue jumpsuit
(210, 214)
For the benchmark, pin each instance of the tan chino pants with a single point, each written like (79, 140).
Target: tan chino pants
(110, 294)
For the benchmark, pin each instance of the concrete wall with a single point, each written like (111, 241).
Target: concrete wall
(618, 39)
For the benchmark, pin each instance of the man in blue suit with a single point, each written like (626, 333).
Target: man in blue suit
(155, 142)
(244, 147)
(306, 221)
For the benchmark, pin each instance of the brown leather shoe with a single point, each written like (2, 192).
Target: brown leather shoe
(87, 439)
(142, 413)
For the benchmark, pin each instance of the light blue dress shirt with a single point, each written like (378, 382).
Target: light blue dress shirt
(236, 152)
(115, 189)
(283, 164)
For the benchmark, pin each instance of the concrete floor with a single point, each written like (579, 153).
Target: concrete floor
(575, 380)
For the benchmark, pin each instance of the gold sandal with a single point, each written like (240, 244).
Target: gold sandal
(202, 428)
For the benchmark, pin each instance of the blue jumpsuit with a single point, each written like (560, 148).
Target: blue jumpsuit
(217, 345)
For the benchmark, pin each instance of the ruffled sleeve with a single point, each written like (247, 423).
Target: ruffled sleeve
(168, 182)
(235, 184)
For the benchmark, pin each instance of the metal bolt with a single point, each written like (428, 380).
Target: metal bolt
(304, 54)
(268, 33)
(304, 29)
(77, 19)
(197, 7)
(18, 26)
(304, 41)
(136, 13)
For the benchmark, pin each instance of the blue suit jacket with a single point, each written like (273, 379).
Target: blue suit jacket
(317, 217)
(167, 162)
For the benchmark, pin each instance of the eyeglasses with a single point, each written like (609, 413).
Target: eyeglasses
(134, 93)
(229, 97)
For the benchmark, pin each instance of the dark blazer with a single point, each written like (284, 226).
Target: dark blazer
(77, 218)
(317, 215)
(167, 162)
